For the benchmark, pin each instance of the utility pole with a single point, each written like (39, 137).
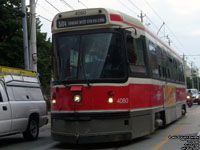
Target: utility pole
(25, 36)
(33, 48)
(198, 80)
(192, 75)
(141, 16)
(169, 41)
(184, 69)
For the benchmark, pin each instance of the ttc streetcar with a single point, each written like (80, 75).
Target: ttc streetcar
(112, 78)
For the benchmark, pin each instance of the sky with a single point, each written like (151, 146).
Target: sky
(181, 18)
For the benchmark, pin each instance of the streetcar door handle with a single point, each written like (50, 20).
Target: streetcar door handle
(5, 108)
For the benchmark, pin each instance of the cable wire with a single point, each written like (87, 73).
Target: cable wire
(82, 4)
(44, 18)
(165, 25)
(67, 4)
(127, 7)
(52, 6)
(45, 9)
(134, 5)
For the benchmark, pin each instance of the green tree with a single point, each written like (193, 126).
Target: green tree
(11, 42)
(189, 83)
(44, 57)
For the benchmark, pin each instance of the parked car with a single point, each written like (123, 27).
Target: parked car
(22, 105)
(189, 98)
(195, 96)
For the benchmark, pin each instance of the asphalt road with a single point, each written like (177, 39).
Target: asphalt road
(176, 136)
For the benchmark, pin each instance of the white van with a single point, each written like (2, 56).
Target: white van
(22, 105)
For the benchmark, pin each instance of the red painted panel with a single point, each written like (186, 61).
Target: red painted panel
(180, 94)
(115, 17)
(76, 88)
(125, 97)
(157, 95)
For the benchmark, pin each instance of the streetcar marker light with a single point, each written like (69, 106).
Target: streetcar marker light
(53, 101)
(110, 100)
(77, 98)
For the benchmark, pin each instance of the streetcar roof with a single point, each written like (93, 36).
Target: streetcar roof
(77, 20)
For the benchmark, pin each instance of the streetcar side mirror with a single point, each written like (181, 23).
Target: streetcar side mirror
(135, 33)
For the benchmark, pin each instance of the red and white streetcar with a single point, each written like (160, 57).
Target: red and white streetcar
(113, 79)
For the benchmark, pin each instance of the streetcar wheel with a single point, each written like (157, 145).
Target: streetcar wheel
(183, 110)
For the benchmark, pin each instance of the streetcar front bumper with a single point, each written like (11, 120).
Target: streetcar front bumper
(92, 138)
(90, 128)
(100, 127)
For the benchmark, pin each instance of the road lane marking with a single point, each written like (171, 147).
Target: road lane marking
(166, 139)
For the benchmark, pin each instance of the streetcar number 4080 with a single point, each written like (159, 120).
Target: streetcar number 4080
(122, 100)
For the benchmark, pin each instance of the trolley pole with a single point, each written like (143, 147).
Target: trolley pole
(33, 48)
(25, 36)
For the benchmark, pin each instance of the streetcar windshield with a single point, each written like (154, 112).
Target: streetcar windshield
(89, 56)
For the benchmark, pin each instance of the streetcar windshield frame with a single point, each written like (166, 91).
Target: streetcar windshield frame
(89, 56)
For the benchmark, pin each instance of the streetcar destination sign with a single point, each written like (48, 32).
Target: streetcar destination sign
(81, 21)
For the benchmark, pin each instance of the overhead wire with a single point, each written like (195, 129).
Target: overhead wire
(44, 18)
(127, 7)
(152, 22)
(182, 49)
(134, 5)
(67, 4)
(82, 4)
(155, 12)
(146, 16)
(52, 6)
(156, 27)
(45, 9)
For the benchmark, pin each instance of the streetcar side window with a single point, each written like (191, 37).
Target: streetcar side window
(175, 69)
(180, 72)
(136, 55)
(159, 61)
(131, 48)
(140, 52)
(164, 64)
(169, 68)
(153, 58)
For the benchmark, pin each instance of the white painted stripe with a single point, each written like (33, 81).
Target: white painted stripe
(134, 81)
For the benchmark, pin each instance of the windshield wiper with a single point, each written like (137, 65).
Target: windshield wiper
(84, 73)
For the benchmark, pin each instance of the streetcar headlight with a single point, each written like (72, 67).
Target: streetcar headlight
(53, 101)
(188, 97)
(197, 96)
(77, 98)
(110, 100)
